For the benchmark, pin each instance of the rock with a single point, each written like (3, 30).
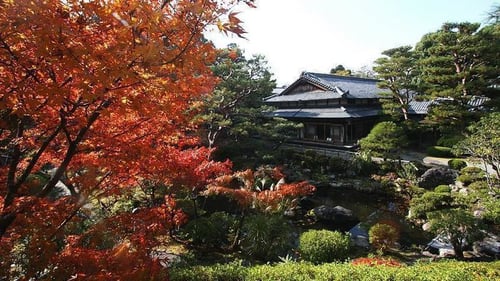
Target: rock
(437, 176)
(337, 214)
(490, 245)
(426, 226)
(306, 203)
(359, 236)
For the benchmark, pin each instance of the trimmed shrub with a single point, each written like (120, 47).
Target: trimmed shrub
(267, 237)
(436, 176)
(479, 185)
(469, 175)
(361, 271)
(440, 151)
(442, 188)
(383, 236)
(457, 164)
(319, 246)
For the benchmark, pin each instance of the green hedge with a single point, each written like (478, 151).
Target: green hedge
(440, 151)
(433, 271)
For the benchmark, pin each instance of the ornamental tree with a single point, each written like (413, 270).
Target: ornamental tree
(95, 95)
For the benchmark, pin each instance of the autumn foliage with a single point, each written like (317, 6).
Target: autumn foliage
(99, 95)
(264, 189)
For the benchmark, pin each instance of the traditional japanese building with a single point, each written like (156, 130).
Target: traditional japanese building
(336, 110)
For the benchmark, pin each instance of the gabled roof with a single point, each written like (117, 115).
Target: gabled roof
(329, 86)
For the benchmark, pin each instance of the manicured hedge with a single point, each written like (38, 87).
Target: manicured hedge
(440, 151)
(457, 164)
(292, 271)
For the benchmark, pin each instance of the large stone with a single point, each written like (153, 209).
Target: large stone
(337, 214)
(436, 176)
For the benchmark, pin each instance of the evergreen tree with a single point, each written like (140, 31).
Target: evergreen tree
(234, 112)
(457, 62)
(398, 73)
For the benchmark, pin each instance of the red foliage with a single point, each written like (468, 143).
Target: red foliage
(104, 92)
(376, 262)
(263, 189)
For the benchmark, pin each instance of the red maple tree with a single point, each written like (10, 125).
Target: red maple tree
(95, 95)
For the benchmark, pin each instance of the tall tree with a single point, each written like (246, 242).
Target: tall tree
(99, 91)
(456, 62)
(235, 110)
(398, 73)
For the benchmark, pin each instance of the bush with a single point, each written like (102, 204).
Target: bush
(443, 188)
(319, 246)
(457, 164)
(480, 185)
(449, 140)
(338, 165)
(428, 202)
(439, 151)
(213, 231)
(267, 237)
(383, 236)
(295, 271)
(469, 175)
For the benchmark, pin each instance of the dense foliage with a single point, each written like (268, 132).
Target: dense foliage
(320, 246)
(93, 99)
(436, 271)
(384, 140)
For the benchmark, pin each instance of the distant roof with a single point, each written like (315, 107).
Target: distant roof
(333, 86)
(422, 107)
(419, 107)
(327, 113)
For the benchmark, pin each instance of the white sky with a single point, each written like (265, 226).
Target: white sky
(317, 35)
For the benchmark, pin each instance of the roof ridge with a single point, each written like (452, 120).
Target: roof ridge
(340, 76)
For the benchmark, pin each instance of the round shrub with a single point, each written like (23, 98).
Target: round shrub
(442, 188)
(469, 175)
(457, 164)
(267, 237)
(439, 151)
(479, 185)
(382, 236)
(319, 246)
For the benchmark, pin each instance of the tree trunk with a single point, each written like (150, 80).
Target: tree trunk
(457, 247)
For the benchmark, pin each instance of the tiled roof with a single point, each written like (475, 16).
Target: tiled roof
(327, 113)
(308, 96)
(422, 107)
(334, 86)
(419, 107)
(354, 87)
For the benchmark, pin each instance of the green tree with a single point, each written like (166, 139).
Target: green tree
(398, 71)
(457, 62)
(236, 104)
(385, 140)
(456, 226)
(340, 70)
(483, 142)
(235, 114)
